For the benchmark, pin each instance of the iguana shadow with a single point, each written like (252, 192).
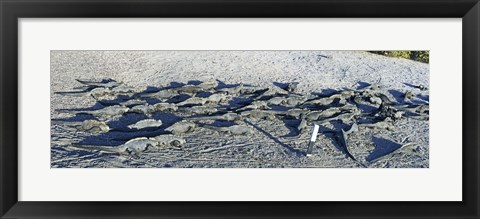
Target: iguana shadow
(397, 95)
(289, 148)
(399, 98)
(117, 136)
(362, 84)
(75, 118)
(382, 147)
(96, 106)
(425, 98)
(218, 123)
(332, 135)
(410, 85)
(222, 85)
(325, 92)
(291, 125)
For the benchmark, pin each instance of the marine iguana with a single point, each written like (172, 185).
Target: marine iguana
(389, 111)
(345, 94)
(385, 99)
(94, 92)
(414, 108)
(342, 137)
(276, 101)
(259, 114)
(138, 145)
(217, 98)
(269, 93)
(387, 124)
(168, 140)
(181, 127)
(344, 117)
(418, 117)
(109, 111)
(189, 89)
(161, 107)
(122, 100)
(109, 86)
(194, 110)
(294, 100)
(132, 102)
(231, 130)
(226, 117)
(295, 112)
(193, 101)
(359, 99)
(208, 85)
(303, 124)
(105, 97)
(163, 95)
(106, 83)
(408, 96)
(250, 90)
(348, 107)
(231, 90)
(133, 147)
(146, 123)
(292, 87)
(322, 114)
(260, 104)
(325, 101)
(92, 126)
(122, 89)
(375, 100)
(145, 109)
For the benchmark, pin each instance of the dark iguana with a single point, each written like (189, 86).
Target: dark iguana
(109, 111)
(146, 123)
(226, 117)
(168, 140)
(387, 124)
(231, 130)
(106, 83)
(162, 94)
(259, 114)
(133, 147)
(92, 126)
(342, 138)
(196, 110)
(181, 127)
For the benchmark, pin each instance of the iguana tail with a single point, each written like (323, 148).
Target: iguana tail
(108, 149)
(69, 111)
(204, 118)
(66, 123)
(73, 93)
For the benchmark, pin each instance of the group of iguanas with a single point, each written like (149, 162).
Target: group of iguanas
(205, 102)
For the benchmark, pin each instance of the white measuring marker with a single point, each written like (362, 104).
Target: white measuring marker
(312, 140)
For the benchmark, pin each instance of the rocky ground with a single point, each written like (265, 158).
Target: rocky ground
(273, 143)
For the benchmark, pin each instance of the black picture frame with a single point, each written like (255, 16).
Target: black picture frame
(12, 10)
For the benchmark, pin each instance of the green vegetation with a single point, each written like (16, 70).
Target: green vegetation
(421, 56)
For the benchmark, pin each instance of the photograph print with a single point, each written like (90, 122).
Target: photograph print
(239, 109)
